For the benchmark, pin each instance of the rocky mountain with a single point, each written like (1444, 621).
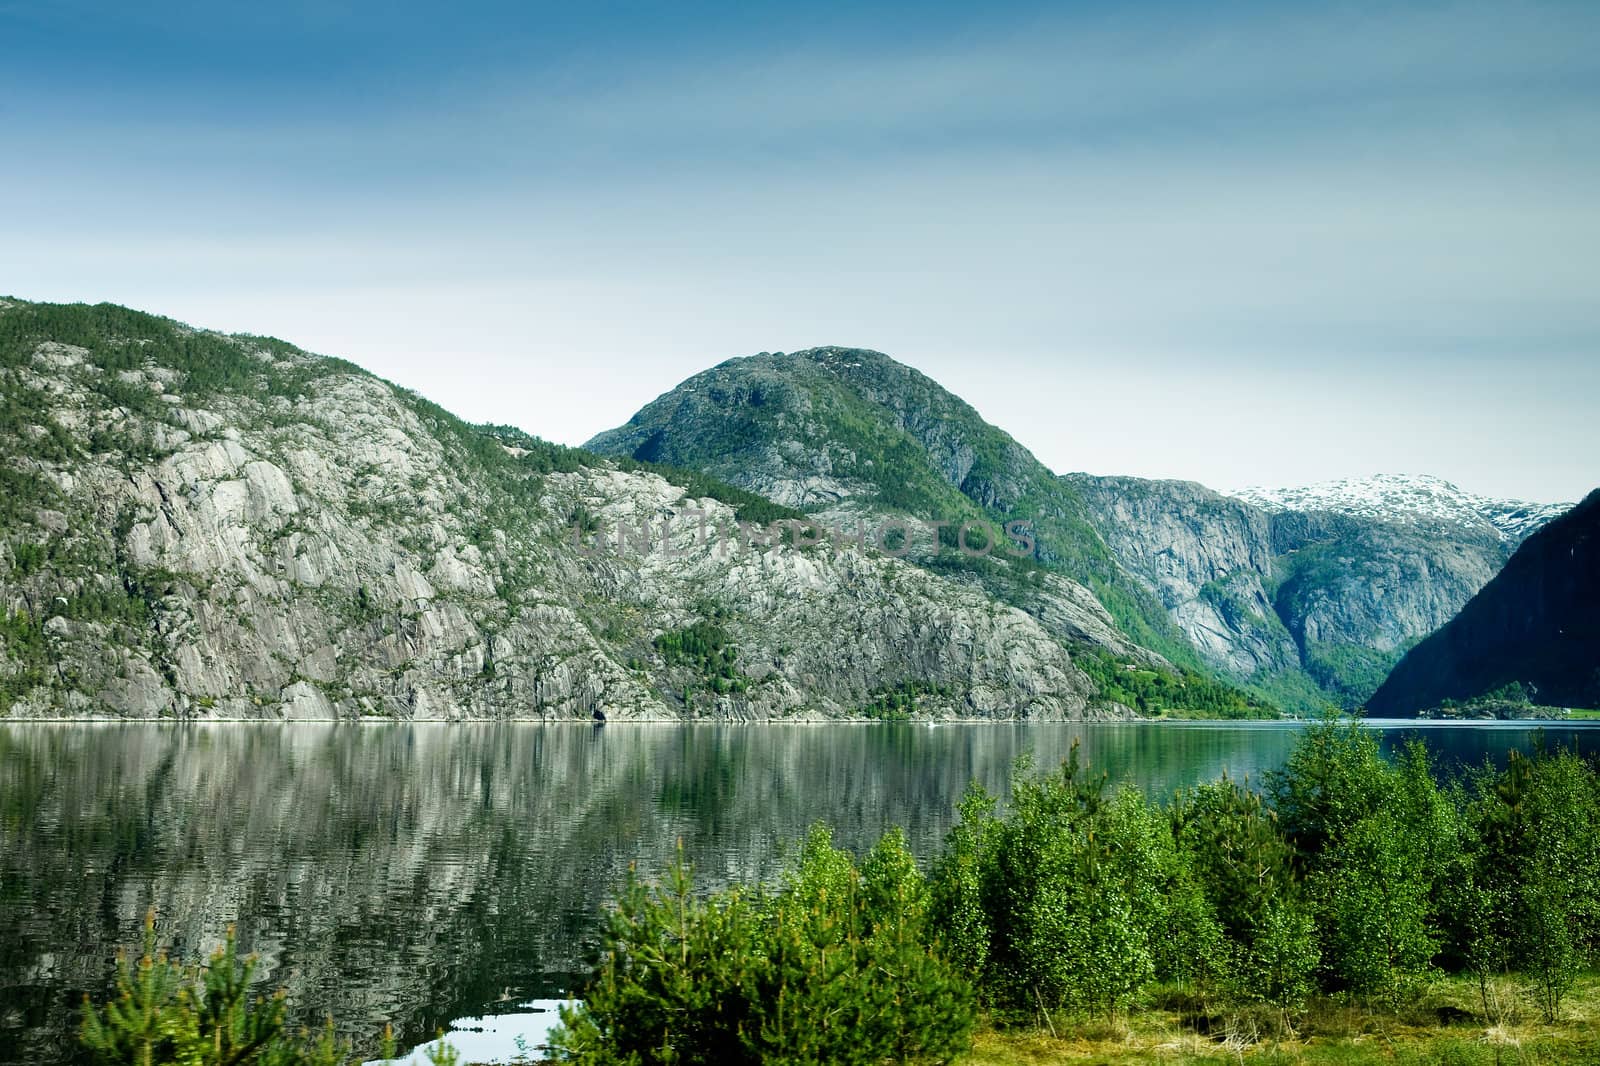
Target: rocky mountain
(193, 524)
(201, 525)
(1307, 595)
(1210, 560)
(1535, 626)
(853, 437)
(1309, 603)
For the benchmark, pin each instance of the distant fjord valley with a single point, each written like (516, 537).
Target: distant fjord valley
(197, 525)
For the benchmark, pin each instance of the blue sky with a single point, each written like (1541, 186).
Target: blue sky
(1245, 244)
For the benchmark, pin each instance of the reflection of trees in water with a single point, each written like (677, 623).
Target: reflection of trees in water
(413, 873)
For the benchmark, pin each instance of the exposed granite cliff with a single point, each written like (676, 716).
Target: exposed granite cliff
(1208, 556)
(1295, 597)
(209, 526)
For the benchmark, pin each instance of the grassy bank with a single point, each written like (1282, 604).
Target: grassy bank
(1445, 1024)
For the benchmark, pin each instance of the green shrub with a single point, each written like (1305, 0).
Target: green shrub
(1069, 889)
(833, 967)
(1333, 778)
(1231, 846)
(962, 884)
(1180, 692)
(1536, 872)
(163, 1013)
(1372, 896)
(897, 702)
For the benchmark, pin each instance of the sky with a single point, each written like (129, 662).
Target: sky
(1245, 244)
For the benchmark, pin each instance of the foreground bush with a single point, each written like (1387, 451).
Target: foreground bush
(1532, 901)
(836, 966)
(1264, 947)
(1351, 876)
(165, 1014)
(1064, 902)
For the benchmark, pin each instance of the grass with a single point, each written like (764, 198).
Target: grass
(1446, 1024)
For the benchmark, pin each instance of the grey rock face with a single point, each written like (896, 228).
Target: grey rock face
(254, 532)
(1206, 556)
(1333, 596)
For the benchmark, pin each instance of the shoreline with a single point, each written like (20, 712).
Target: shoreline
(925, 723)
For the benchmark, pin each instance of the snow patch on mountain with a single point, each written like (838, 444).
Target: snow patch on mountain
(1409, 499)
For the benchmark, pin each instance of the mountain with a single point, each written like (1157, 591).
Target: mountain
(851, 437)
(1314, 598)
(1210, 559)
(1306, 595)
(201, 525)
(193, 524)
(1536, 626)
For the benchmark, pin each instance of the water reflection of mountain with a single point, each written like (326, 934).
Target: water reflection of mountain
(414, 873)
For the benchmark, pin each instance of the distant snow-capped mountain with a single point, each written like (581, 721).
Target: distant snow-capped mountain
(1410, 499)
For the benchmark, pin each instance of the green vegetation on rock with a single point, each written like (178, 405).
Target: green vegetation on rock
(897, 704)
(1174, 694)
(709, 650)
(888, 438)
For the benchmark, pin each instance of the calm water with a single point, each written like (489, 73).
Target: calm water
(416, 874)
